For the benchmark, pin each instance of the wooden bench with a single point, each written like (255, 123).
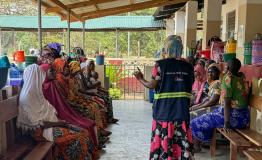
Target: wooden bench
(13, 145)
(241, 139)
(253, 155)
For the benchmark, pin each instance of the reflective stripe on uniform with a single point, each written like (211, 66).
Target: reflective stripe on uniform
(172, 95)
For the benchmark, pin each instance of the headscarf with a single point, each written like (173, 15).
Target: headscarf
(199, 84)
(56, 48)
(83, 65)
(60, 79)
(33, 108)
(202, 72)
(74, 67)
(59, 65)
(88, 62)
(173, 46)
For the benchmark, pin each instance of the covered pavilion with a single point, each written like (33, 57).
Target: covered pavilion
(218, 17)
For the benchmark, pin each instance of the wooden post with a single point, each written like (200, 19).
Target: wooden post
(213, 145)
(83, 36)
(39, 3)
(233, 151)
(68, 31)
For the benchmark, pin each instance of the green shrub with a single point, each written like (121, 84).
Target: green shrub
(115, 93)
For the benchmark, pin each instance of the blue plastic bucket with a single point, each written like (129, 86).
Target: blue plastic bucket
(100, 59)
(151, 95)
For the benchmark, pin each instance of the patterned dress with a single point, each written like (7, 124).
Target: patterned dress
(102, 93)
(88, 107)
(232, 87)
(170, 140)
(71, 143)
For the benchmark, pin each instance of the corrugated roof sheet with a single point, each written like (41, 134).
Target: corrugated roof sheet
(99, 24)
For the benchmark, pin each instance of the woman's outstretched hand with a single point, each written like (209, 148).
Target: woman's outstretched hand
(139, 75)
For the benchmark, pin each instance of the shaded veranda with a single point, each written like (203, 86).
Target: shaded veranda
(130, 139)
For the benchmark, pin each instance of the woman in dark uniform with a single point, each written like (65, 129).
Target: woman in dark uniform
(172, 81)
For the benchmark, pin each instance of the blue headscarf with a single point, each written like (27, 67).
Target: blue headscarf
(56, 48)
(173, 46)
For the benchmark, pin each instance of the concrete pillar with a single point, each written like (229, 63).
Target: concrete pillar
(147, 75)
(170, 27)
(248, 15)
(101, 70)
(212, 20)
(190, 25)
(180, 24)
(248, 22)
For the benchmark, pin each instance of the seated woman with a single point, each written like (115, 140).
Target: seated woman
(64, 111)
(233, 113)
(38, 117)
(80, 54)
(213, 89)
(211, 100)
(47, 56)
(49, 53)
(84, 102)
(91, 80)
(198, 88)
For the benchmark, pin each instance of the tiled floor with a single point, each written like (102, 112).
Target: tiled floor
(131, 137)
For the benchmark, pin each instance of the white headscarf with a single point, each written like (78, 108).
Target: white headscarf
(83, 65)
(33, 108)
(89, 61)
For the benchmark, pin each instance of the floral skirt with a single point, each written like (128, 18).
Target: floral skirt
(71, 143)
(171, 141)
(203, 125)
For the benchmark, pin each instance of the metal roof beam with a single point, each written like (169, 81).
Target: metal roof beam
(129, 8)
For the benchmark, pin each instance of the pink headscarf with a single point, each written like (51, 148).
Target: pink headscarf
(199, 83)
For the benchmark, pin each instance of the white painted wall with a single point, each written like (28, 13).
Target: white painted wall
(230, 6)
